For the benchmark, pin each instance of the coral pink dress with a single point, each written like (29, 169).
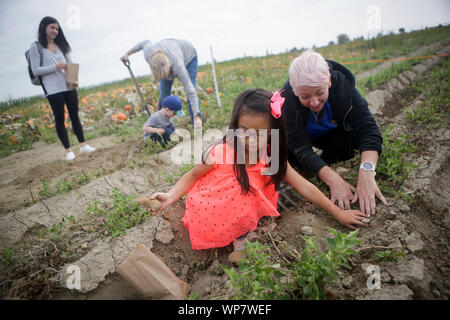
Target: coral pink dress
(217, 212)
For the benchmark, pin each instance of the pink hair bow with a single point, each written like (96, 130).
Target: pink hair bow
(276, 102)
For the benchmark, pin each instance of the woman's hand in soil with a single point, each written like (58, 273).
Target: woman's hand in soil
(351, 218)
(367, 190)
(164, 198)
(343, 192)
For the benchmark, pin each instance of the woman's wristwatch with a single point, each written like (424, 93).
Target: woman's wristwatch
(368, 166)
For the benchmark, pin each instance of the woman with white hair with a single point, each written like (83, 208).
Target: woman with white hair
(170, 58)
(324, 109)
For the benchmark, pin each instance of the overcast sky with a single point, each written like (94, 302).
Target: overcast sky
(100, 31)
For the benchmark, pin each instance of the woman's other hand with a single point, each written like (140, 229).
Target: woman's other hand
(61, 65)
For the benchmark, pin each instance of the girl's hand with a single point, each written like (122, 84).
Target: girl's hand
(124, 58)
(351, 218)
(164, 198)
(61, 65)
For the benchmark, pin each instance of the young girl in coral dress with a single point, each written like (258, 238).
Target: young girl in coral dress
(237, 182)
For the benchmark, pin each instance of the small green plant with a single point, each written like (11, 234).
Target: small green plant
(434, 110)
(58, 230)
(7, 255)
(45, 192)
(124, 214)
(82, 179)
(65, 255)
(392, 165)
(304, 277)
(64, 187)
(192, 296)
(258, 277)
(389, 255)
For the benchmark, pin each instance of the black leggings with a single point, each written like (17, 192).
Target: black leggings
(70, 99)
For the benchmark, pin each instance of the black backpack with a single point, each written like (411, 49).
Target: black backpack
(35, 80)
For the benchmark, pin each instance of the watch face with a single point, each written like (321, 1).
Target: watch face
(367, 166)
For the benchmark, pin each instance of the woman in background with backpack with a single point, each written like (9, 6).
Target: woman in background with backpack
(56, 53)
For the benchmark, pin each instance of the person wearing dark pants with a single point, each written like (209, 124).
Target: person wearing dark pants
(336, 146)
(159, 125)
(57, 102)
(165, 137)
(323, 109)
(56, 55)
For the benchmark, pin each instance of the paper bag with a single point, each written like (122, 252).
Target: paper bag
(72, 73)
(152, 277)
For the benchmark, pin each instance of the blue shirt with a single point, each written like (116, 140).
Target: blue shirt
(320, 127)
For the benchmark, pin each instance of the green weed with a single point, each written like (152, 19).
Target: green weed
(304, 277)
(45, 192)
(393, 167)
(124, 214)
(64, 187)
(389, 255)
(6, 256)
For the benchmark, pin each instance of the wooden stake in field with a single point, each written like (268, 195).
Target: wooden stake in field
(136, 84)
(214, 77)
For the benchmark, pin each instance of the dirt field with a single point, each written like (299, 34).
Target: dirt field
(420, 227)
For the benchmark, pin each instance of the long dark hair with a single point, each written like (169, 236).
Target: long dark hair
(256, 101)
(60, 39)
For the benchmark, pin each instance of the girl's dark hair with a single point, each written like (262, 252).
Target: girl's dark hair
(256, 101)
(60, 39)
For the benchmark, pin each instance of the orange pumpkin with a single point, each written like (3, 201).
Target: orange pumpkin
(30, 122)
(121, 116)
(114, 117)
(209, 90)
(127, 107)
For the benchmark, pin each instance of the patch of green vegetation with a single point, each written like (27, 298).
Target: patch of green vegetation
(305, 277)
(82, 179)
(393, 166)
(124, 214)
(45, 192)
(6, 256)
(64, 187)
(58, 231)
(389, 255)
(434, 111)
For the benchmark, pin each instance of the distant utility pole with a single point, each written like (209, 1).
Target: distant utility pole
(214, 77)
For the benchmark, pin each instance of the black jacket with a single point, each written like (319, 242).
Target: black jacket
(350, 111)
